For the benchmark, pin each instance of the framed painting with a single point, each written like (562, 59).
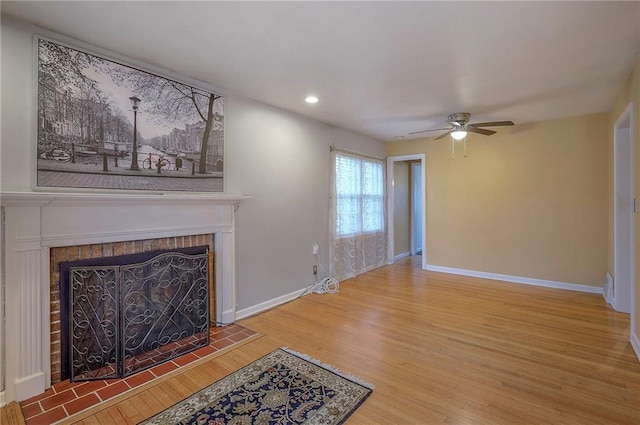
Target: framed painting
(103, 124)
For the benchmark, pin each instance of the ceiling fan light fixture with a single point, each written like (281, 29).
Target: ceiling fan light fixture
(458, 134)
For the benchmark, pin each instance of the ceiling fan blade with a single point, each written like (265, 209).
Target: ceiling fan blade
(491, 124)
(433, 129)
(482, 131)
(443, 135)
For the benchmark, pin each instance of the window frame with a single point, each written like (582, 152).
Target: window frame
(362, 193)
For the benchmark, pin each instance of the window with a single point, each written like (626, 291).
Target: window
(358, 242)
(359, 191)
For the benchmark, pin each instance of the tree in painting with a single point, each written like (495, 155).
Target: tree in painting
(72, 108)
(171, 101)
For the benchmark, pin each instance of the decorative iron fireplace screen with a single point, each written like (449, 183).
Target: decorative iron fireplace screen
(127, 317)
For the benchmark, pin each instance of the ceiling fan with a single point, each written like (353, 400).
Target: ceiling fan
(460, 126)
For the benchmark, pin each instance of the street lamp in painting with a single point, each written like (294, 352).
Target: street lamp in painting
(135, 101)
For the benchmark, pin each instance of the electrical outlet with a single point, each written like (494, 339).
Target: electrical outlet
(315, 248)
(315, 270)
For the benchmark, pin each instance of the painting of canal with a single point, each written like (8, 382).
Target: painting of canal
(105, 125)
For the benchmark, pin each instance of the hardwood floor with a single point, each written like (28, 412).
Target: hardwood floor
(441, 349)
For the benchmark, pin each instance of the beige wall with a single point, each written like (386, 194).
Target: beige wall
(529, 201)
(630, 93)
(401, 208)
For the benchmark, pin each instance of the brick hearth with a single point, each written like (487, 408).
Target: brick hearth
(66, 399)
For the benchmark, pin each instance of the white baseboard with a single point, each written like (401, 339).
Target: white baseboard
(226, 317)
(3, 400)
(267, 305)
(518, 279)
(401, 256)
(30, 386)
(635, 344)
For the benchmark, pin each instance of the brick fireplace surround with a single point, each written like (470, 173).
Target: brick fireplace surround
(36, 222)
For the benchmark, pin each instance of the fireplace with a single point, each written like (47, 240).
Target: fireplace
(123, 314)
(99, 254)
(38, 223)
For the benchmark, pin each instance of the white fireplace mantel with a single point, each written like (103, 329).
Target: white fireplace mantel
(37, 221)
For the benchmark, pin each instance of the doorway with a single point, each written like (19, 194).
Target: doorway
(624, 205)
(418, 222)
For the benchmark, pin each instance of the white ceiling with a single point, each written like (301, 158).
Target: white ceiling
(382, 69)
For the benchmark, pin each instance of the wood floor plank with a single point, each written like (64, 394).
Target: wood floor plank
(441, 349)
(110, 416)
(11, 415)
(129, 411)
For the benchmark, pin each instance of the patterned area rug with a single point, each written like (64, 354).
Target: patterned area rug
(283, 387)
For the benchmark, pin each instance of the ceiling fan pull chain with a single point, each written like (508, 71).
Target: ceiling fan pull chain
(453, 149)
(465, 146)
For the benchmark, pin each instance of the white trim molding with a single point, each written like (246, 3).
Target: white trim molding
(518, 279)
(401, 256)
(269, 304)
(423, 161)
(623, 186)
(635, 344)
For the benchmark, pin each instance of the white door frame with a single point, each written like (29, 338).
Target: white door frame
(414, 216)
(390, 163)
(624, 292)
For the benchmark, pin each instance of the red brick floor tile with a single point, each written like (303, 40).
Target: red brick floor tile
(224, 333)
(163, 369)
(57, 400)
(204, 351)
(82, 403)
(61, 387)
(112, 390)
(31, 410)
(237, 337)
(88, 387)
(139, 378)
(48, 417)
(223, 343)
(234, 328)
(185, 359)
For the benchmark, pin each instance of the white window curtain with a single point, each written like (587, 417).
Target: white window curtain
(357, 211)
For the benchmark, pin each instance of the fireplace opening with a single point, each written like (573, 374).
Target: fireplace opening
(123, 314)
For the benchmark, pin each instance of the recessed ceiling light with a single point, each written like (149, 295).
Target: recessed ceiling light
(311, 99)
(399, 137)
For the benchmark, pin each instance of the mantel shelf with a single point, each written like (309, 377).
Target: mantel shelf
(75, 198)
